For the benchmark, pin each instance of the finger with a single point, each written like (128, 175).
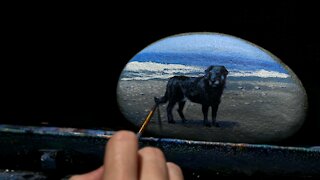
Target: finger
(121, 157)
(152, 164)
(174, 171)
(96, 174)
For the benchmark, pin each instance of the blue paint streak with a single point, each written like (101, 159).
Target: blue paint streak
(75, 132)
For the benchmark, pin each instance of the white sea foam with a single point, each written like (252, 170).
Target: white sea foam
(260, 73)
(158, 67)
(151, 70)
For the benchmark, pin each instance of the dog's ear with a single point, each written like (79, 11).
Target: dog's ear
(208, 69)
(206, 72)
(224, 70)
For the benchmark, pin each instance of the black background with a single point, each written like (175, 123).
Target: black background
(61, 66)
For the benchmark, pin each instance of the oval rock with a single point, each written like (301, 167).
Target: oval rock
(212, 87)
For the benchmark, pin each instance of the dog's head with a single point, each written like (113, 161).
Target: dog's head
(216, 75)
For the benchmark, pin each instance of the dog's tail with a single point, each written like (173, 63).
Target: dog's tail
(161, 100)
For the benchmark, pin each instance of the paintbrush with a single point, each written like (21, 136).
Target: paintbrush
(146, 121)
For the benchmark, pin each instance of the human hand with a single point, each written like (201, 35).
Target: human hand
(123, 160)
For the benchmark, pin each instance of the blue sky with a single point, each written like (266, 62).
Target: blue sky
(204, 49)
(208, 43)
(209, 48)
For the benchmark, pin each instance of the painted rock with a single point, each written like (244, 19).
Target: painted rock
(212, 87)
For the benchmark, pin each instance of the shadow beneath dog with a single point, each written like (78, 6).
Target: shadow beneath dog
(197, 123)
(228, 124)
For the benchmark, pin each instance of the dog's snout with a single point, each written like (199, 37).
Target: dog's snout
(216, 80)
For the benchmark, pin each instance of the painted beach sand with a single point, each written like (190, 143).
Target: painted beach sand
(262, 100)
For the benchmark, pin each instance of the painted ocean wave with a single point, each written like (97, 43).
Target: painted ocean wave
(260, 73)
(151, 70)
(239, 62)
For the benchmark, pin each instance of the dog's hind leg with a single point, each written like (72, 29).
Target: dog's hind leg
(169, 112)
(205, 110)
(180, 110)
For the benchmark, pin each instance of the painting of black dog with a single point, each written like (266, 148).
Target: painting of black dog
(205, 90)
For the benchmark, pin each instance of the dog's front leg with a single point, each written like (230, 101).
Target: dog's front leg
(214, 109)
(205, 109)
